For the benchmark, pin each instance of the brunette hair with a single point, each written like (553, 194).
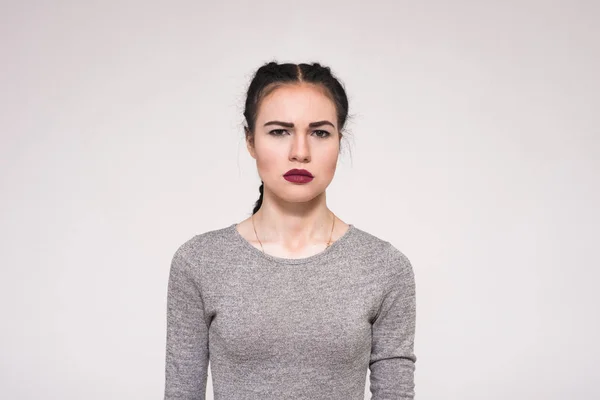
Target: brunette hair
(273, 75)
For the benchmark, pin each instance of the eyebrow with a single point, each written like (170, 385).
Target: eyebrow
(291, 125)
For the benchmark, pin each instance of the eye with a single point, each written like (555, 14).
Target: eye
(275, 132)
(323, 134)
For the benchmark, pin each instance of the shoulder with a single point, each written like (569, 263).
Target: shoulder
(398, 261)
(202, 245)
(373, 247)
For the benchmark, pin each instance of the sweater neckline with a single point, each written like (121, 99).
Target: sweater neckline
(282, 260)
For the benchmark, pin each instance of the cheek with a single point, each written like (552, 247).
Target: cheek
(268, 160)
(330, 158)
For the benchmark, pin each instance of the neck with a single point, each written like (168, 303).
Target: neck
(294, 225)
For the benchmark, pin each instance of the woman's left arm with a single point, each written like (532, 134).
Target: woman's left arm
(392, 362)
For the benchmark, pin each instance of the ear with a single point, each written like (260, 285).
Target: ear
(250, 143)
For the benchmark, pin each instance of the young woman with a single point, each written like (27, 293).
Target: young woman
(292, 302)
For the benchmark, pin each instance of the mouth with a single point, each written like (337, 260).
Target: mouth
(299, 172)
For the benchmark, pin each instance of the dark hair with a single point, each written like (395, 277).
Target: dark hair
(272, 75)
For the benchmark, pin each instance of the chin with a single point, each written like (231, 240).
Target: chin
(298, 194)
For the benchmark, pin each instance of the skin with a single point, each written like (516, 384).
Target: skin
(294, 220)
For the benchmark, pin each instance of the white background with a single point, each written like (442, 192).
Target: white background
(473, 146)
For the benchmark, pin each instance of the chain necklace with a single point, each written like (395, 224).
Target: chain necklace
(261, 246)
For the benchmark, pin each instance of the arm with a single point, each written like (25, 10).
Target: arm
(187, 336)
(392, 362)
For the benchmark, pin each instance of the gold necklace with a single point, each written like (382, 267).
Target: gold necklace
(261, 246)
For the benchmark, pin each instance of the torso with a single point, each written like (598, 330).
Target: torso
(246, 229)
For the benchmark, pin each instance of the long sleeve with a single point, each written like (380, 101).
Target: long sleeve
(187, 355)
(392, 360)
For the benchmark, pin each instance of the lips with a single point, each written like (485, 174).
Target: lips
(301, 172)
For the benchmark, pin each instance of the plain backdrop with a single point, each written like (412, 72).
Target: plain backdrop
(473, 146)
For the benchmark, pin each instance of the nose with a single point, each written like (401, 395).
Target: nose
(300, 149)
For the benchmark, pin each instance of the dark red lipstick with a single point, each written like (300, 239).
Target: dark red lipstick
(298, 176)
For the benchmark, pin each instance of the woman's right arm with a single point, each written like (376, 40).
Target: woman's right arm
(187, 357)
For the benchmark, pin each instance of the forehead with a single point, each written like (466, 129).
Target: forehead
(297, 102)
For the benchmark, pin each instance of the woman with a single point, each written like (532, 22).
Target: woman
(291, 303)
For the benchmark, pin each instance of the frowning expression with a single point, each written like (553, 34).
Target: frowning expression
(296, 128)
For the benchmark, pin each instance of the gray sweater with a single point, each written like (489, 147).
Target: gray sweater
(279, 328)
